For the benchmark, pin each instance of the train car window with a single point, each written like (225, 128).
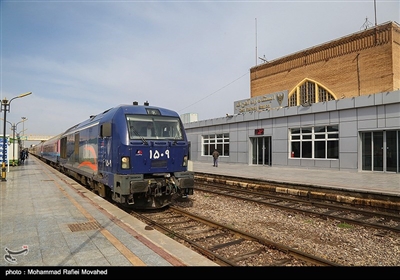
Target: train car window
(76, 147)
(63, 147)
(105, 130)
(154, 127)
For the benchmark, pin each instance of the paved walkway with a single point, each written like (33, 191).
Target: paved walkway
(46, 222)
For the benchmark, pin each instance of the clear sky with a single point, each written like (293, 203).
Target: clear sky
(80, 58)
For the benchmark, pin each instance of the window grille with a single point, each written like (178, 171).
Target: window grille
(215, 141)
(309, 92)
(320, 142)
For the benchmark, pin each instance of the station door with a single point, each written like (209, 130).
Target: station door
(380, 150)
(261, 150)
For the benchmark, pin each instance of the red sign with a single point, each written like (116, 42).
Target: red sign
(259, 131)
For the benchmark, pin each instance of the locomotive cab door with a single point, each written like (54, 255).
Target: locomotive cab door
(104, 148)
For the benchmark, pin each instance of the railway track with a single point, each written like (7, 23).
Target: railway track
(380, 202)
(226, 245)
(344, 213)
(230, 246)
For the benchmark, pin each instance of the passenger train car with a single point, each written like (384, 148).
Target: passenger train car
(135, 154)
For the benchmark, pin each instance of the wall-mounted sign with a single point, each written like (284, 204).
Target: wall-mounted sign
(1, 150)
(262, 103)
(259, 131)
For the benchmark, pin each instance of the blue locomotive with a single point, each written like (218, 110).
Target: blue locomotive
(137, 155)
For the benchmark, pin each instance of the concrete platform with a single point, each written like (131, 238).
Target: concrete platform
(46, 222)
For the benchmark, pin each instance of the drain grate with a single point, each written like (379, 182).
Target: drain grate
(84, 226)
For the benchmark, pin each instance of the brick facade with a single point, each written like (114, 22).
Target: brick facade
(363, 63)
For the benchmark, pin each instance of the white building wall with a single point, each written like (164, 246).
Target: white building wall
(380, 112)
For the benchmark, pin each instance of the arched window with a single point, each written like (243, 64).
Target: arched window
(308, 92)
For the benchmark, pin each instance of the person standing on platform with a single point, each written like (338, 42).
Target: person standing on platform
(22, 156)
(215, 155)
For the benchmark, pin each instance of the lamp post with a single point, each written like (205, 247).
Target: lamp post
(13, 159)
(23, 130)
(5, 105)
(14, 129)
(11, 125)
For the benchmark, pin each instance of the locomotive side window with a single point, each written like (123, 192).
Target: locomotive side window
(154, 127)
(105, 130)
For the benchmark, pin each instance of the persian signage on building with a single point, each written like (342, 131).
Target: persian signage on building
(261, 103)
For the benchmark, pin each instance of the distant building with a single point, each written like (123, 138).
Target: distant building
(362, 63)
(332, 106)
(189, 117)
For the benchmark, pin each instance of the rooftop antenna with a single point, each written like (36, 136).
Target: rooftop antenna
(263, 59)
(366, 24)
(256, 42)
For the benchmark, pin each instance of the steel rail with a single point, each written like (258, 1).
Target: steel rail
(294, 252)
(362, 221)
(245, 235)
(211, 255)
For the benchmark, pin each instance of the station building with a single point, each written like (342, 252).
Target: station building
(332, 106)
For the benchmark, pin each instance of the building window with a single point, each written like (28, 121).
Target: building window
(308, 92)
(319, 142)
(216, 141)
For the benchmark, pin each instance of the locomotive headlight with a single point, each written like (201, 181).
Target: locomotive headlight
(125, 163)
(185, 161)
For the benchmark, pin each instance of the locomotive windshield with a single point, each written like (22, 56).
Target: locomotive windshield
(154, 127)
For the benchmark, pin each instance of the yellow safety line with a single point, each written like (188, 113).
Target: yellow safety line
(133, 259)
